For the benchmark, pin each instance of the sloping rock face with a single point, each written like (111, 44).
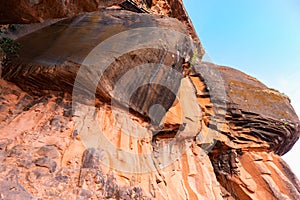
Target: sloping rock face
(30, 11)
(118, 105)
(65, 56)
(255, 125)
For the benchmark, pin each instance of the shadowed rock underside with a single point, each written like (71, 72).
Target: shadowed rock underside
(147, 121)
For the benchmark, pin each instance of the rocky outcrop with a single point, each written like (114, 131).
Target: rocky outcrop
(31, 11)
(57, 149)
(248, 113)
(117, 104)
(62, 58)
(254, 125)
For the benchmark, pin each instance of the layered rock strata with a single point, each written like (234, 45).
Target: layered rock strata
(33, 11)
(117, 104)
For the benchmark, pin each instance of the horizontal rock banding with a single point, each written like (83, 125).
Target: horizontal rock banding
(62, 58)
(143, 118)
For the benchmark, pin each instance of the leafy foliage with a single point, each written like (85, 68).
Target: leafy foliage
(9, 49)
(195, 56)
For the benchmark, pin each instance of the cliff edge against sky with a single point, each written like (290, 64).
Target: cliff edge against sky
(112, 101)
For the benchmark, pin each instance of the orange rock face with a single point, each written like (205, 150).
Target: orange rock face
(118, 105)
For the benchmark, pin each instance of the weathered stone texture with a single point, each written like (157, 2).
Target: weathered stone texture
(140, 118)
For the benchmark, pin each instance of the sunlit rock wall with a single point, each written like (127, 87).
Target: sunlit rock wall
(116, 104)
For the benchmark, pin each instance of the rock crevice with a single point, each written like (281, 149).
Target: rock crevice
(117, 104)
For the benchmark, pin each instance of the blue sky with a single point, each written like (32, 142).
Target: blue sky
(259, 37)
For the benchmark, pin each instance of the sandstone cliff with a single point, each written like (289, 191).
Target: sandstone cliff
(116, 104)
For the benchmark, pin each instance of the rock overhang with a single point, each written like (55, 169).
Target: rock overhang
(249, 120)
(91, 52)
(254, 115)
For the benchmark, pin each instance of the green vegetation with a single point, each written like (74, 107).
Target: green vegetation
(8, 47)
(195, 56)
(286, 123)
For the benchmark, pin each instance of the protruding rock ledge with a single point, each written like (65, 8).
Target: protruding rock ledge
(247, 113)
(94, 53)
(53, 147)
(32, 11)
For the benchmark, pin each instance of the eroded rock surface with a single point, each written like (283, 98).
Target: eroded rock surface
(153, 46)
(31, 11)
(248, 113)
(118, 105)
